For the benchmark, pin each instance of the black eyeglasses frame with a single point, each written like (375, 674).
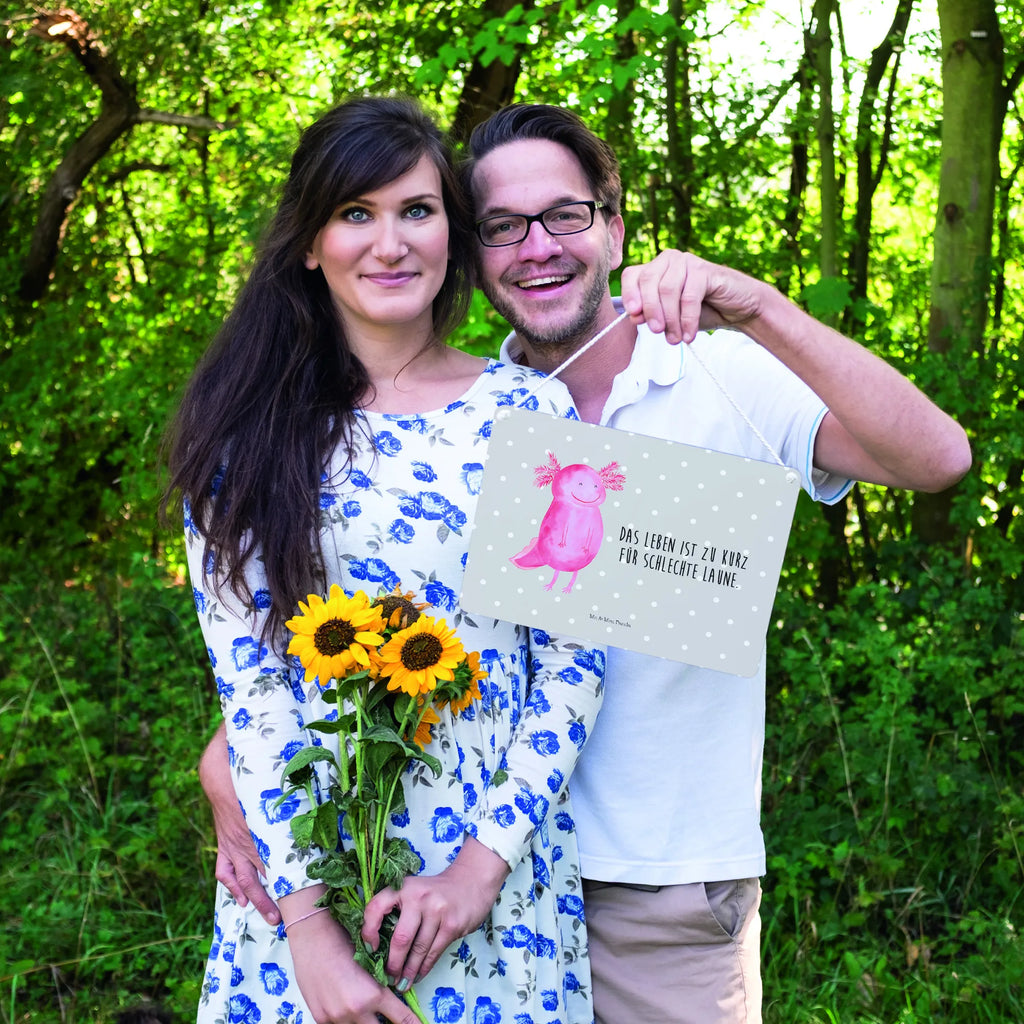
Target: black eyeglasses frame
(593, 205)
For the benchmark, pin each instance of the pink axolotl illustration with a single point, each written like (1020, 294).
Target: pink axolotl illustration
(571, 530)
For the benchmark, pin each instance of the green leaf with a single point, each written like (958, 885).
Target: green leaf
(398, 861)
(302, 826)
(381, 733)
(827, 298)
(338, 869)
(297, 771)
(351, 918)
(380, 701)
(325, 827)
(329, 727)
(372, 963)
(429, 760)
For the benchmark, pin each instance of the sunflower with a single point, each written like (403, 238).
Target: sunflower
(331, 637)
(472, 692)
(417, 657)
(424, 734)
(398, 609)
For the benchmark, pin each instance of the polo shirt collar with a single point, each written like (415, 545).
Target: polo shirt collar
(654, 360)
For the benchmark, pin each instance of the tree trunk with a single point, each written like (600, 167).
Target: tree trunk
(973, 107)
(836, 560)
(799, 176)
(119, 113)
(486, 89)
(819, 50)
(619, 129)
(869, 172)
(679, 133)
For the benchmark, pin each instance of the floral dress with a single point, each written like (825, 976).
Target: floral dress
(401, 515)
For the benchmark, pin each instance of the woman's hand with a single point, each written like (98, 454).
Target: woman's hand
(435, 910)
(336, 989)
(238, 865)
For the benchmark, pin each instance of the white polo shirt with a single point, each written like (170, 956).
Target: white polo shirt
(668, 789)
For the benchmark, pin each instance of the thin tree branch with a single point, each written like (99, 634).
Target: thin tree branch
(119, 113)
(206, 124)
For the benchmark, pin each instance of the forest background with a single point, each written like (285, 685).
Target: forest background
(865, 157)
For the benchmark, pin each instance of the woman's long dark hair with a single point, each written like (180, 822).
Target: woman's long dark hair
(276, 393)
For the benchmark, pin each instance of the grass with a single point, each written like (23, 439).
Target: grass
(893, 811)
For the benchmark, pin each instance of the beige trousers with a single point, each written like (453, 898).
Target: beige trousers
(675, 954)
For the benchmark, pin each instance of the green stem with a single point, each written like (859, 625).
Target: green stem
(414, 1004)
(359, 833)
(343, 763)
(381, 823)
(410, 717)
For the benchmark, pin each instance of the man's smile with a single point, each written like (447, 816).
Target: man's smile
(541, 282)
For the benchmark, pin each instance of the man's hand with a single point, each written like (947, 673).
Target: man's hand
(680, 293)
(238, 864)
(880, 428)
(435, 910)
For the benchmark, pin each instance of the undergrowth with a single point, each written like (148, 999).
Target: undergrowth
(105, 847)
(893, 806)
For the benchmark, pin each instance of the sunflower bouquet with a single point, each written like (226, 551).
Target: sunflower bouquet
(390, 669)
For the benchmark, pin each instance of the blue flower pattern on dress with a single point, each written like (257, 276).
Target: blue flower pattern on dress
(387, 444)
(401, 531)
(242, 1010)
(578, 734)
(446, 825)
(440, 596)
(274, 979)
(397, 515)
(486, 1011)
(274, 809)
(472, 476)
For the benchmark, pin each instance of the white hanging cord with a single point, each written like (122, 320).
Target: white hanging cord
(732, 401)
(692, 351)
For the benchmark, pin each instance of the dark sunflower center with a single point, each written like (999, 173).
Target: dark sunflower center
(392, 603)
(421, 651)
(334, 636)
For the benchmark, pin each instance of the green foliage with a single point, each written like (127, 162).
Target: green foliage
(892, 817)
(827, 298)
(104, 840)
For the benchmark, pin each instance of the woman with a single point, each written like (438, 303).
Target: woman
(331, 436)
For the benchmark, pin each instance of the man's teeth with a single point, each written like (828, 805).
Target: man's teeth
(538, 282)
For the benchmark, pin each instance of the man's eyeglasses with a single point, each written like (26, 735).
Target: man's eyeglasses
(563, 219)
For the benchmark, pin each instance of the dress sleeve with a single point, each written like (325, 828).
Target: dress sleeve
(563, 698)
(264, 707)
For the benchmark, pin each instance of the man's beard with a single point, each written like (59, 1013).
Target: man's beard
(568, 336)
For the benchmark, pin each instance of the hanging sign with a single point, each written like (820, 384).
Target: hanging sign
(630, 541)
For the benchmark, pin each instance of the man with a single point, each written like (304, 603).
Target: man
(667, 791)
